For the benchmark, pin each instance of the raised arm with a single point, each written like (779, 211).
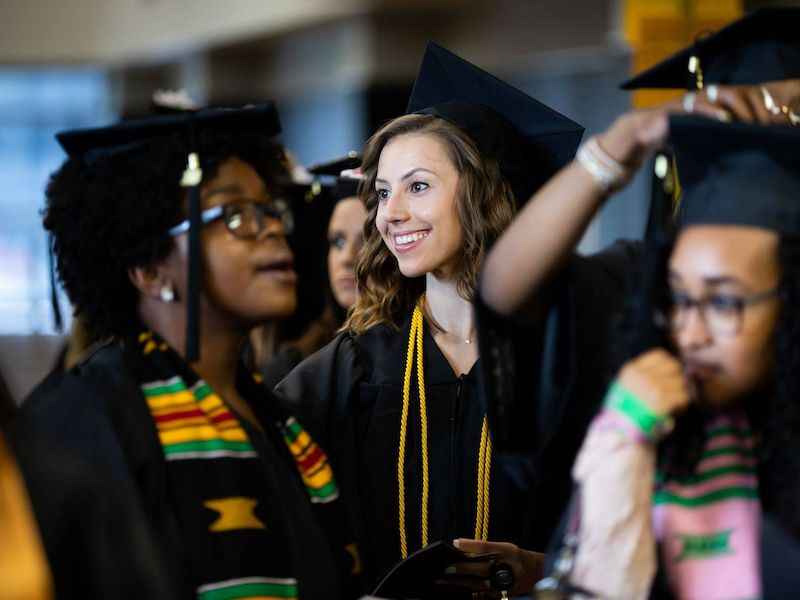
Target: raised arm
(547, 230)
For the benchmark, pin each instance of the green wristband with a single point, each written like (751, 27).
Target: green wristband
(625, 402)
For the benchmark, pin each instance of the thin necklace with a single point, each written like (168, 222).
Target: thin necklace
(460, 339)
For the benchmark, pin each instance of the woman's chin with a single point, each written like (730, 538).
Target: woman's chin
(411, 270)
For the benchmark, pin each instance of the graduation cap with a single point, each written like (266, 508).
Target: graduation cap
(764, 45)
(737, 173)
(345, 169)
(529, 140)
(124, 136)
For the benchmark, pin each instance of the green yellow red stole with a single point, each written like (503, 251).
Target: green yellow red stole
(233, 536)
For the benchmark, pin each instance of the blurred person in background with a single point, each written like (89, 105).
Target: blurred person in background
(396, 397)
(243, 500)
(544, 313)
(66, 534)
(345, 238)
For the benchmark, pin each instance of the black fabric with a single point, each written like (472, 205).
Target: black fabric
(130, 133)
(98, 412)
(350, 396)
(529, 140)
(279, 366)
(97, 541)
(345, 187)
(544, 383)
(561, 368)
(738, 174)
(764, 45)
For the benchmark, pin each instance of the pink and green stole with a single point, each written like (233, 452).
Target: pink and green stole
(708, 524)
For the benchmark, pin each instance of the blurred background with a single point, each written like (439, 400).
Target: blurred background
(336, 68)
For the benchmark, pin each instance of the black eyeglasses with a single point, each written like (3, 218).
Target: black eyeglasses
(244, 218)
(722, 314)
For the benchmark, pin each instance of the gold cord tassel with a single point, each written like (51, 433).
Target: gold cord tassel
(484, 484)
(416, 342)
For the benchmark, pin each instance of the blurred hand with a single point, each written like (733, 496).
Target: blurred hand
(657, 379)
(636, 135)
(749, 104)
(528, 567)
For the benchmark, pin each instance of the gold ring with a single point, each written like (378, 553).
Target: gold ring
(769, 102)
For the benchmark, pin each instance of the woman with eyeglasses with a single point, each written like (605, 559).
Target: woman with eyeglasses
(242, 498)
(688, 477)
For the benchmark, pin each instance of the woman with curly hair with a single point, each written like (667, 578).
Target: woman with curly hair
(241, 496)
(396, 396)
(692, 464)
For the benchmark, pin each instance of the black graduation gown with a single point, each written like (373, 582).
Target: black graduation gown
(97, 541)
(350, 392)
(98, 412)
(279, 366)
(543, 384)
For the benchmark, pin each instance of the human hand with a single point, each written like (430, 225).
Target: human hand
(638, 134)
(528, 567)
(656, 378)
(769, 103)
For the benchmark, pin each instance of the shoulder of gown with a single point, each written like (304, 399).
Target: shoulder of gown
(98, 542)
(97, 411)
(321, 387)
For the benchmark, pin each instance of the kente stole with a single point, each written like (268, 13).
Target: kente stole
(235, 539)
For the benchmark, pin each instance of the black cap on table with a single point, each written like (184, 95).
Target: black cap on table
(764, 45)
(135, 133)
(346, 170)
(529, 140)
(738, 174)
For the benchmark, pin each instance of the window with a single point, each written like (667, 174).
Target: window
(34, 105)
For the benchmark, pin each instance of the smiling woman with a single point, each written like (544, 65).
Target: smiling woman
(395, 397)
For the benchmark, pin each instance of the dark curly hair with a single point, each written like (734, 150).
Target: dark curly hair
(775, 413)
(109, 212)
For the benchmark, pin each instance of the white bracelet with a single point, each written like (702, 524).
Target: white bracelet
(606, 171)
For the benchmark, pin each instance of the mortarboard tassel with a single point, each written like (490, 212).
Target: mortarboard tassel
(192, 177)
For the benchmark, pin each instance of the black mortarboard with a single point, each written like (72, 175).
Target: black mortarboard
(342, 168)
(131, 133)
(135, 133)
(416, 576)
(737, 173)
(764, 45)
(529, 140)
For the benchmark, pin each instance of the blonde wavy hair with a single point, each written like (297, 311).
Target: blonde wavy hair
(485, 208)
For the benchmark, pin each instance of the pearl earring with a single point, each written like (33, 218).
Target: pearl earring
(167, 293)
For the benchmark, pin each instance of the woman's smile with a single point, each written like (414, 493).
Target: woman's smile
(405, 241)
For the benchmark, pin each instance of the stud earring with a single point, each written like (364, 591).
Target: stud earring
(167, 293)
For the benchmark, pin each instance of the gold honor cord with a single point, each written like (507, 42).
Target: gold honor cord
(484, 484)
(415, 342)
(24, 572)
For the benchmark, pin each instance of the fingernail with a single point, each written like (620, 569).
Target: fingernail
(457, 543)
(450, 571)
(723, 116)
